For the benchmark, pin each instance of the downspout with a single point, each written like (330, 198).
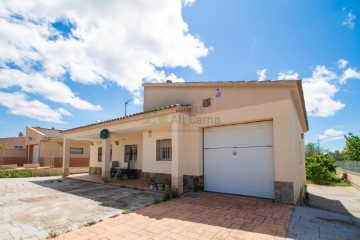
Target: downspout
(40, 151)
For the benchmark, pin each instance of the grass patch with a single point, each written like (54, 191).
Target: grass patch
(333, 182)
(126, 211)
(88, 224)
(24, 173)
(52, 234)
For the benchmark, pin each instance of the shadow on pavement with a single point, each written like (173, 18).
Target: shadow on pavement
(327, 204)
(106, 195)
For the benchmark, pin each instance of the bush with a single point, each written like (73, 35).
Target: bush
(170, 193)
(24, 173)
(16, 173)
(320, 169)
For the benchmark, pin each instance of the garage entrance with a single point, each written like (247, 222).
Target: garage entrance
(238, 159)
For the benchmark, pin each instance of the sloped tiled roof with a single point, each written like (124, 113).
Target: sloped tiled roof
(129, 116)
(50, 133)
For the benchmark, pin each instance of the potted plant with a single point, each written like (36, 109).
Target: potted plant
(160, 182)
(167, 182)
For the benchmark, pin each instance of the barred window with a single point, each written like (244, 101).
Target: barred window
(130, 153)
(163, 150)
(75, 150)
(99, 154)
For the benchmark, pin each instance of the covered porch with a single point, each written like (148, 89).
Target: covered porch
(149, 143)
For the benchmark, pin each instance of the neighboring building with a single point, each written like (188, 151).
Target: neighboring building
(45, 146)
(15, 150)
(231, 137)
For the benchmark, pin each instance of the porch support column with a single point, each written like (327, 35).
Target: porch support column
(66, 157)
(105, 163)
(177, 141)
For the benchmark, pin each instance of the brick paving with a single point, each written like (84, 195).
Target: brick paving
(196, 216)
(311, 223)
(30, 208)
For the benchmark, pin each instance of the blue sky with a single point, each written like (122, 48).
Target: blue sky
(65, 65)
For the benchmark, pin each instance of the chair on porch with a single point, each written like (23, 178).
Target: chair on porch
(114, 170)
(125, 172)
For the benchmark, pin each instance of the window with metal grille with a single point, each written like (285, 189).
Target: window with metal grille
(163, 150)
(99, 154)
(75, 150)
(130, 153)
(206, 102)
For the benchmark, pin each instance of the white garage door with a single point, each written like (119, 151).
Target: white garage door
(238, 159)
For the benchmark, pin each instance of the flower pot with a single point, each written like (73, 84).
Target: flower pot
(161, 186)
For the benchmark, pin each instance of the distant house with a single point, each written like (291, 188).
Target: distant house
(44, 146)
(242, 138)
(15, 150)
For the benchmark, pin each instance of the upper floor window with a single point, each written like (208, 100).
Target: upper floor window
(206, 102)
(75, 150)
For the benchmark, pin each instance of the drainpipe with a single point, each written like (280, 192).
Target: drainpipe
(40, 151)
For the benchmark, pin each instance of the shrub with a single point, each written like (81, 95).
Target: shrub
(320, 169)
(170, 193)
(16, 173)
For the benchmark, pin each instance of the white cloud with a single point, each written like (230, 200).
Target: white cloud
(63, 112)
(348, 74)
(51, 89)
(188, 3)
(331, 134)
(18, 104)
(349, 21)
(125, 42)
(288, 75)
(342, 63)
(319, 92)
(261, 74)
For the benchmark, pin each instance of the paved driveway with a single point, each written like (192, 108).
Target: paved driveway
(220, 216)
(344, 200)
(30, 208)
(196, 216)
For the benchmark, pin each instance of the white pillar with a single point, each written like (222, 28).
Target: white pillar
(105, 158)
(66, 157)
(177, 142)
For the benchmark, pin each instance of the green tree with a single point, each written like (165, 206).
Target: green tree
(2, 146)
(336, 155)
(312, 148)
(320, 168)
(352, 147)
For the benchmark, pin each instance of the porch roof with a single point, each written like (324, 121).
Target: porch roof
(174, 106)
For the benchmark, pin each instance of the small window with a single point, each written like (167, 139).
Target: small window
(16, 147)
(163, 150)
(75, 150)
(130, 153)
(207, 102)
(99, 154)
(20, 147)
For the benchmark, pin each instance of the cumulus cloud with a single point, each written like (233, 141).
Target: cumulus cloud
(342, 63)
(288, 75)
(348, 74)
(18, 104)
(331, 134)
(261, 74)
(51, 89)
(188, 3)
(125, 42)
(349, 21)
(319, 91)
